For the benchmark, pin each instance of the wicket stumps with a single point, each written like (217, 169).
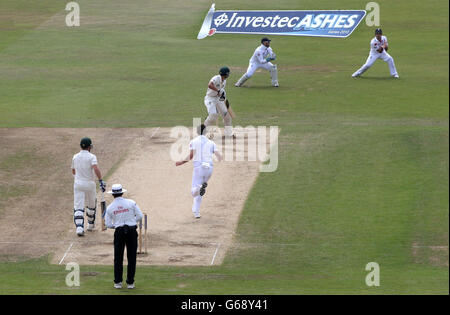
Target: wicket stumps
(142, 238)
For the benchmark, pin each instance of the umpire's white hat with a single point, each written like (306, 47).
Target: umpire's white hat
(117, 189)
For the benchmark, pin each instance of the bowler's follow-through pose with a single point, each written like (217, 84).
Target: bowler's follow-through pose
(261, 58)
(201, 151)
(378, 50)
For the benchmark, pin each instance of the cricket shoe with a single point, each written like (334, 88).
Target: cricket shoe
(130, 286)
(355, 75)
(196, 214)
(275, 85)
(91, 226)
(80, 231)
(118, 285)
(396, 76)
(203, 189)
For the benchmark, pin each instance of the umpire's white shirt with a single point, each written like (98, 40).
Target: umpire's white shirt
(260, 54)
(82, 163)
(122, 212)
(204, 150)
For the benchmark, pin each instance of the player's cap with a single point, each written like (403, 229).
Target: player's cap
(265, 39)
(378, 31)
(117, 189)
(85, 143)
(224, 71)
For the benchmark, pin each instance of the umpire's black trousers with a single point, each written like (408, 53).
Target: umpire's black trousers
(125, 236)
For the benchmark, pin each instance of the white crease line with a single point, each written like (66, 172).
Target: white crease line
(41, 243)
(56, 243)
(215, 253)
(65, 254)
(154, 132)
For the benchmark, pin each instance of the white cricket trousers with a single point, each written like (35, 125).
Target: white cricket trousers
(200, 175)
(373, 57)
(252, 67)
(84, 195)
(215, 107)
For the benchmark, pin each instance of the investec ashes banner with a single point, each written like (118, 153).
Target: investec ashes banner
(329, 23)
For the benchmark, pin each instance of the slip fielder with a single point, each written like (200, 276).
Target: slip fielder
(378, 50)
(201, 151)
(84, 166)
(215, 101)
(261, 58)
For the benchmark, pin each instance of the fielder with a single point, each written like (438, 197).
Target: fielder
(215, 101)
(261, 58)
(84, 166)
(201, 150)
(378, 50)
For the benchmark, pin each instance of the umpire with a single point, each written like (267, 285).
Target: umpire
(122, 215)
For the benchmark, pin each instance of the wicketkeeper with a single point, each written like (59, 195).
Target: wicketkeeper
(261, 58)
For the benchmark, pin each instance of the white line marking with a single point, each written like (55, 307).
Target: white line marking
(65, 254)
(215, 253)
(154, 132)
(42, 243)
(55, 243)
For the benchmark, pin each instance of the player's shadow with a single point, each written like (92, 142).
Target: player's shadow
(261, 87)
(376, 78)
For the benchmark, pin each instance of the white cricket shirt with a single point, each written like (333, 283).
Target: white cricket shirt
(260, 54)
(375, 44)
(218, 83)
(122, 212)
(204, 150)
(82, 163)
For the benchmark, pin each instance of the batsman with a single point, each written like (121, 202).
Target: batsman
(216, 102)
(84, 170)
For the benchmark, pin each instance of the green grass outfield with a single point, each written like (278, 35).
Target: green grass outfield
(363, 170)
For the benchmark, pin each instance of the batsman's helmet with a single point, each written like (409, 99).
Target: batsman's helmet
(85, 143)
(224, 71)
(378, 31)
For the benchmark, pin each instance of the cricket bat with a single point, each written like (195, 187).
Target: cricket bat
(230, 110)
(103, 207)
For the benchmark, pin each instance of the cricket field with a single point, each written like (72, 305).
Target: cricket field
(363, 163)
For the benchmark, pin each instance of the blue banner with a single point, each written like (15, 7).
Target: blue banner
(324, 23)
